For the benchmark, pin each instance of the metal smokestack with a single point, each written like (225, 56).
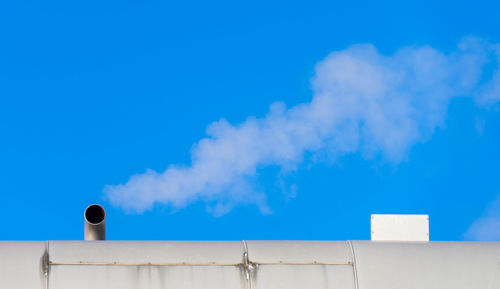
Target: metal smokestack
(95, 223)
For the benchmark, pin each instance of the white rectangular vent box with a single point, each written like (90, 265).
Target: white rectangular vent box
(400, 228)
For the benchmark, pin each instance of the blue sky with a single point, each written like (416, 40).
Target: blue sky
(92, 93)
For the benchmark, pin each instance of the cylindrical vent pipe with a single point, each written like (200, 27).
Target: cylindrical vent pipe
(95, 223)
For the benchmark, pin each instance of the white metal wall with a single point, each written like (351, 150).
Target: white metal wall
(428, 265)
(293, 264)
(21, 265)
(249, 265)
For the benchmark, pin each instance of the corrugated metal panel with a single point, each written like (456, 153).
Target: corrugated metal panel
(148, 252)
(151, 277)
(303, 277)
(320, 252)
(22, 265)
(434, 265)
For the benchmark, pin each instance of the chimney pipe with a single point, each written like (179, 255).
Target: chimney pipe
(95, 223)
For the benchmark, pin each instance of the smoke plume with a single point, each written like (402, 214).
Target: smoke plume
(486, 228)
(363, 102)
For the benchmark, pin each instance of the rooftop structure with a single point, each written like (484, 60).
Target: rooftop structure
(388, 264)
(249, 265)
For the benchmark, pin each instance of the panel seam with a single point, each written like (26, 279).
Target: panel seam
(246, 265)
(354, 266)
(47, 273)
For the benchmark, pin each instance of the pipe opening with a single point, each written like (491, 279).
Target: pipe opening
(95, 214)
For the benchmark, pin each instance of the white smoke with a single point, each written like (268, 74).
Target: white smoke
(363, 102)
(486, 228)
